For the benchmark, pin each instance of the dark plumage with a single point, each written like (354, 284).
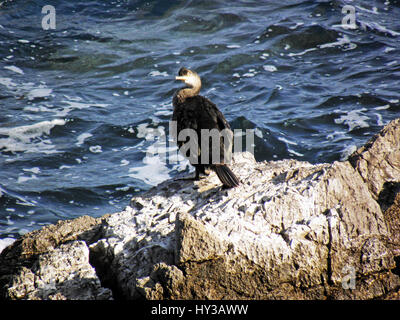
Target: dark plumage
(192, 111)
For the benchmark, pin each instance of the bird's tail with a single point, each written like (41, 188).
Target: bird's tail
(226, 175)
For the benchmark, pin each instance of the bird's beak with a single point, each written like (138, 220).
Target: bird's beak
(180, 78)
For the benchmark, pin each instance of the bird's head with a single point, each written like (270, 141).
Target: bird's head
(189, 77)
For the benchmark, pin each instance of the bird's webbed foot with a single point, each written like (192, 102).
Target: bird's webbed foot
(200, 173)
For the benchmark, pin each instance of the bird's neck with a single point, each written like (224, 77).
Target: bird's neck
(187, 92)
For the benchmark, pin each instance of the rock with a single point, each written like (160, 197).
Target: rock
(53, 263)
(378, 162)
(60, 274)
(392, 218)
(291, 230)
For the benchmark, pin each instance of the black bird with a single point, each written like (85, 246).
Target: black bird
(193, 111)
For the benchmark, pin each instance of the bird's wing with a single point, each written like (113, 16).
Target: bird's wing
(216, 115)
(218, 120)
(185, 118)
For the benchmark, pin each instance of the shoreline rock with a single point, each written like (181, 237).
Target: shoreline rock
(292, 230)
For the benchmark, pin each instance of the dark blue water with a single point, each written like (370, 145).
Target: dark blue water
(79, 103)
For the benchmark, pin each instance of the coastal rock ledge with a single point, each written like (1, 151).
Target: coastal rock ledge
(291, 230)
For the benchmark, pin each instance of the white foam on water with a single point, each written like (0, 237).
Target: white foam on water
(95, 149)
(23, 179)
(338, 136)
(301, 53)
(164, 109)
(19, 200)
(83, 105)
(379, 120)
(163, 113)
(233, 46)
(125, 189)
(376, 26)
(64, 167)
(159, 148)
(72, 98)
(287, 141)
(155, 169)
(82, 137)
(347, 152)
(153, 172)
(373, 11)
(149, 133)
(38, 109)
(298, 24)
(34, 170)
(5, 243)
(353, 119)
(270, 68)
(157, 73)
(295, 153)
(7, 82)
(386, 106)
(249, 74)
(179, 159)
(124, 162)
(39, 93)
(76, 104)
(340, 42)
(258, 133)
(28, 138)
(344, 42)
(14, 69)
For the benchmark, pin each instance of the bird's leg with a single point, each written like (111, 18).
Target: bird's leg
(197, 176)
(200, 170)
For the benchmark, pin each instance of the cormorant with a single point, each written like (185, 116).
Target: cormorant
(193, 111)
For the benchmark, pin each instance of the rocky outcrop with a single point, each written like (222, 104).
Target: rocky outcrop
(378, 162)
(53, 263)
(291, 230)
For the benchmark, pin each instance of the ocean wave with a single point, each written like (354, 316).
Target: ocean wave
(29, 138)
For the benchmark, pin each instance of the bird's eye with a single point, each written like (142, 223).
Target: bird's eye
(183, 72)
